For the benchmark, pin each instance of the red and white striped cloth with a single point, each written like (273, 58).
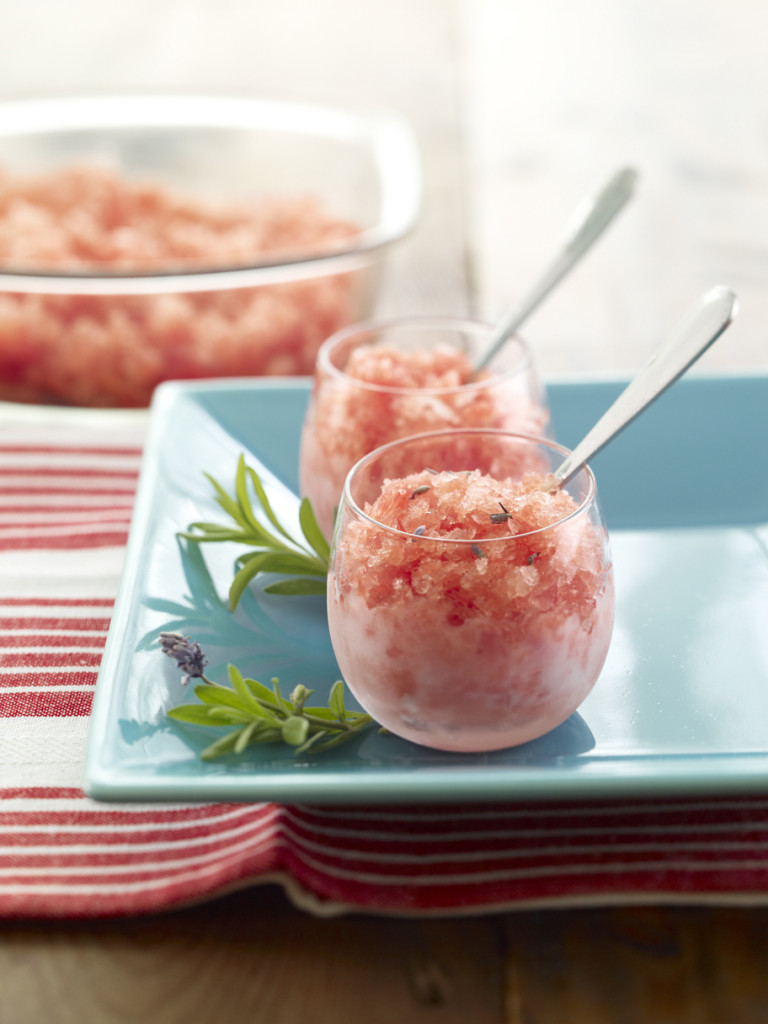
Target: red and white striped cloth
(67, 481)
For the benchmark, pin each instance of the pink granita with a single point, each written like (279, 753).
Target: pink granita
(113, 350)
(469, 612)
(366, 394)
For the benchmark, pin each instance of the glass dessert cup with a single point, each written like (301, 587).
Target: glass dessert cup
(379, 381)
(456, 630)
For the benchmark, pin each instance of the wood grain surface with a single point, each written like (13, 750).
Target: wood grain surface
(520, 109)
(252, 956)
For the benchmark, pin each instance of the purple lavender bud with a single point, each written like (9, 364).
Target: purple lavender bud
(188, 655)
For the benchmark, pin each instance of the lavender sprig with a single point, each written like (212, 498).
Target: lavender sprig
(257, 714)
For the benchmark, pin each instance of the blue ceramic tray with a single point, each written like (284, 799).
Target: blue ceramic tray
(681, 706)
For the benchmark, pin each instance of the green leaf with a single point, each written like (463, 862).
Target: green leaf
(312, 531)
(295, 730)
(244, 737)
(324, 713)
(337, 738)
(306, 585)
(261, 494)
(220, 695)
(316, 738)
(336, 700)
(268, 735)
(215, 528)
(286, 562)
(241, 510)
(241, 689)
(220, 535)
(231, 715)
(240, 582)
(270, 562)
(192, 714)
(244, 502)
(228, 504)
(225, 745)
(261, 691)
(243, 701)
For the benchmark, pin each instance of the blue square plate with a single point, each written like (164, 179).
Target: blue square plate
(682, 703)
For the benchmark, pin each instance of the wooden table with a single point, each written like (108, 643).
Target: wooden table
(520, 110)
(252, 957)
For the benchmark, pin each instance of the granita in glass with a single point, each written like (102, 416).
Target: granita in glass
(379, 381)
(470, 601)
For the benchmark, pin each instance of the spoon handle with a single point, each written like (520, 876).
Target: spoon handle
(589, 225)
(702, 326)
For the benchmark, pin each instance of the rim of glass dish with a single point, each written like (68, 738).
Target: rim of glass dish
(583, 506)
(387, 133)
(457, 324)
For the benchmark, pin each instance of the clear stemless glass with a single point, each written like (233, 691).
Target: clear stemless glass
(469, 608)
(382, 380)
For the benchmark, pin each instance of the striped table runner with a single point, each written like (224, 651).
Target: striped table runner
(67, 482)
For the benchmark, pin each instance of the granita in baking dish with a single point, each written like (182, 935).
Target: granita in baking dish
(377, 382)
(470, 604)
(112, 350)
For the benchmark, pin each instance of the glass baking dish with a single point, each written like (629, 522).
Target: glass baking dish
(273, 309)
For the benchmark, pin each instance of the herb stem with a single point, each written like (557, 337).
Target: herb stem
(327, 723)
(322, 723)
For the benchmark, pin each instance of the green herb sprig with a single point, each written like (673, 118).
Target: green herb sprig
(254, 713)
(277, 552)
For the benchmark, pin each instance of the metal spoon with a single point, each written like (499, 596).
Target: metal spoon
(702, 326)
(592, 218)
